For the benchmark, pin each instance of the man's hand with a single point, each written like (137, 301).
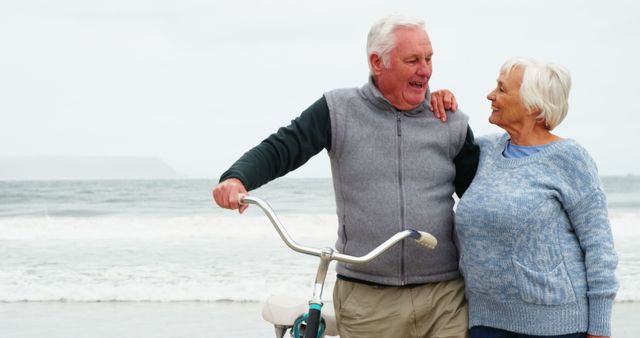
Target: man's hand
(226, 194)
(441, 101)
(590, 336)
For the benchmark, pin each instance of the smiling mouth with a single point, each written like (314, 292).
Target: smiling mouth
(418, 84)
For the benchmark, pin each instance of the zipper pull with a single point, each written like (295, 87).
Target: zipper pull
(398, 124)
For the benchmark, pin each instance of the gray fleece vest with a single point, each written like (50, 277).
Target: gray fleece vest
(393, 170)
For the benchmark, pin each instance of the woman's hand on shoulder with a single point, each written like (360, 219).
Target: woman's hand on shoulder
(441, 101)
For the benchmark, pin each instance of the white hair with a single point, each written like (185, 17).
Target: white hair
(545, 87)
(382, 39)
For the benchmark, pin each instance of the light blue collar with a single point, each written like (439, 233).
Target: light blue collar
(515, 151)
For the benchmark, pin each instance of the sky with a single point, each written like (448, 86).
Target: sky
(199, 82)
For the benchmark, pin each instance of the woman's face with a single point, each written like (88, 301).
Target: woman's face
(507, 110)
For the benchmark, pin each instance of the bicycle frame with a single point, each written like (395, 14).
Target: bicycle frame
(327, 254)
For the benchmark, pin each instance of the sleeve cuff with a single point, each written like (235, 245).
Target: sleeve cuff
(600, 316)
(242, 178)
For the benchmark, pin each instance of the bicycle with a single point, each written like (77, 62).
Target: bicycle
(288, 314)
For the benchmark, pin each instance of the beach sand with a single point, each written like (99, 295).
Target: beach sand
(181, 319)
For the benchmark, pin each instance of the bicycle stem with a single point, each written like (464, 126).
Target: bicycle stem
(328, 254)
(325, 259)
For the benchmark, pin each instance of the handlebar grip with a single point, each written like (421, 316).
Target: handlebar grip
(424, 238)
(241, 199)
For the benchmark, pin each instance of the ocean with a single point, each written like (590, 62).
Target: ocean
(166, 241)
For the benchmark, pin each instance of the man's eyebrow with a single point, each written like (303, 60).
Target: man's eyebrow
(418, 56)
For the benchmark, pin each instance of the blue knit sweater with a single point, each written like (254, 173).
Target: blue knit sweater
(536, 249)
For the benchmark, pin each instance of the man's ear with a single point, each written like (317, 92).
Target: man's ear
(376, 64)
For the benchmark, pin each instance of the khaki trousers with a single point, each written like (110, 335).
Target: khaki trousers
(434, 310)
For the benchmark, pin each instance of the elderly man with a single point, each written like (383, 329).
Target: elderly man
(394, 166)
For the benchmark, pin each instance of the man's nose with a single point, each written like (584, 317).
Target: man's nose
(424, 69)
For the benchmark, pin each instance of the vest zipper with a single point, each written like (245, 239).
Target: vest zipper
(402, 268)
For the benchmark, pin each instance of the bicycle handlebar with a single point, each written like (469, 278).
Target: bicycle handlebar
(421, 237)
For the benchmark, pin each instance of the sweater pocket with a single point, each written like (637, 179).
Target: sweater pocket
(544, 288)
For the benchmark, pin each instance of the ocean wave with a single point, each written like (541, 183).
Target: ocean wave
(624, 224)
(250, 225)
(189, 272)
(159, 228)
(202, 258)
(153, 286)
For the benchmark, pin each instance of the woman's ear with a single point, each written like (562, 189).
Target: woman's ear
(533, 111)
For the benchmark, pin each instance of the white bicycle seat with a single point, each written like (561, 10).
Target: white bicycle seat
(284, 310)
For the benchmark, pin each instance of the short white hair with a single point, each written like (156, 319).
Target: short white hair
(382, 39)
(545, 87)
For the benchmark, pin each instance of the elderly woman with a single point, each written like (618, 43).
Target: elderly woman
(536, 249)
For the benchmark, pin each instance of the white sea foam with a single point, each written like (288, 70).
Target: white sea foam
(159, 228)
(625, 225)
(199, 258)
(194, 270)
(626, 233)
(155, 286)
(194, 258)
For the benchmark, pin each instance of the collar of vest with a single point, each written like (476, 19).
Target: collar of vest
(373, 95)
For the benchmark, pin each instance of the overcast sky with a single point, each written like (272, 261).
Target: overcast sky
(198, 82)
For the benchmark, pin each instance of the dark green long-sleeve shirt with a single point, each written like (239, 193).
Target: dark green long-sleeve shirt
(292, 146)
